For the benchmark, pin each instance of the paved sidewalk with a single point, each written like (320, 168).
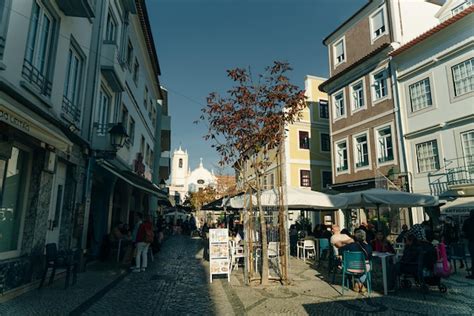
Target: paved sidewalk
(177, 283)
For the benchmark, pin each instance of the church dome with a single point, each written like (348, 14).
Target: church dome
(201, 178)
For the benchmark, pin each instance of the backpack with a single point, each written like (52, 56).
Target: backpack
(149, 234)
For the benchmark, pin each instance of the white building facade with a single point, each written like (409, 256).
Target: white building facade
(435, 83)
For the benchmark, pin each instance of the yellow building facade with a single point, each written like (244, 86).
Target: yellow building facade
(306, 160)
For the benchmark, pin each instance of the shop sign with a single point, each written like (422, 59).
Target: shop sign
(14, 120)
(219, 260)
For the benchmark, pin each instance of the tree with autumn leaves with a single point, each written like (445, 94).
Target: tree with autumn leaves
(248, 120)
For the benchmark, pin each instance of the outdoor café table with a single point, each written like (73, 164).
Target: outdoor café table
(383, 257)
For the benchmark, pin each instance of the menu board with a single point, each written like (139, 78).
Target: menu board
(219, 252)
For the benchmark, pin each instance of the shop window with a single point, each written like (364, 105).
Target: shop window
(13, 174)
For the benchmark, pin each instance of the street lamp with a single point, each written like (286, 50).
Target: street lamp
(118, 135)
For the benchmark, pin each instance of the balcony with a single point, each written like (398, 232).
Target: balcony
(101, 138)
(456, 178)
(71, 111)
(110, 67)
(165, 163)
(77, 8)
(34, 76)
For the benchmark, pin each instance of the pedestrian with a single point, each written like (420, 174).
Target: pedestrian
(143, 240)
(468, 232)
(401, 236)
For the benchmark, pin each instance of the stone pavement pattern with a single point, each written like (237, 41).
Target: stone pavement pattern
(176, 283)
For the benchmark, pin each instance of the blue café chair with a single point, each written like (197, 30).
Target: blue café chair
(354, 264)
(323, 247)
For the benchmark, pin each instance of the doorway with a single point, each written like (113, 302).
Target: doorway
(56, 205)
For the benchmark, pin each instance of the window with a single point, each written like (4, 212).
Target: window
(129, 55)
(305, 178)
(325, 142)
(427, 156)
(147, 155)
(362, 151)
(385, 145)
(420, 95)
(468, 150)
(323, 109)
(111, 28)
(304, 139)
(39, 49)
(142, 146)
(339, 104)
(103, 113)
(136, 68)
(72, 84)
(341, 156)
(271, 181)
(463, 77)
(339, 55)
(124, 118)
(4, 17)
(180, 163)
(380, 84)
(326, 179)
(151, 159)
(13, 173)
(145, 98)
(358, 95)
(461, 7)
(132, 131)
(378, 24)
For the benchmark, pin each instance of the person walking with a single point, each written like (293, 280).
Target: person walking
(468, 231)
(144, 238)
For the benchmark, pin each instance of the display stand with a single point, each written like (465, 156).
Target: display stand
(219, 260)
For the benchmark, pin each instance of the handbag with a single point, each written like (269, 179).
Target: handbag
(442, 267)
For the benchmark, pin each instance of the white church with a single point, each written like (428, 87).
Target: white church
(183, 180)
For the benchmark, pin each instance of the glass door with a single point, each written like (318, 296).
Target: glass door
(56, 205)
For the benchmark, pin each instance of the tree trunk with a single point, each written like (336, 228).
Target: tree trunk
(263, 239)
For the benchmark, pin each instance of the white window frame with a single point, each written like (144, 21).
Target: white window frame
(300, 178)
(461, 7)
(410, 96)
(372, 85)
(377, 146)
(355, 151)
(344, 54)
(343, 92)
(374, 37)
(466, 61)
(309, 139)
(467, 163)
(364, 97)
(449, 74)
(417, 161)
(115, 26)
(74, 94)
(100, 115)
(336, 157)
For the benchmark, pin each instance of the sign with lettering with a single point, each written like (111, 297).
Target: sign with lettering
(219, 259)
(14, 120)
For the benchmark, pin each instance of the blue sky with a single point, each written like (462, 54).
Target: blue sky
(198, 40)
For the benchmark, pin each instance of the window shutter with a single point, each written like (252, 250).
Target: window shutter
(378, 20)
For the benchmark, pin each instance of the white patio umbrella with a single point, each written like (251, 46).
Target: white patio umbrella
(397, 199)
(295, 199)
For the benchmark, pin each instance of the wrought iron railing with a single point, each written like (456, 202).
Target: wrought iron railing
(457, 171)
(101, 128)
(36, 78)
(71, 109)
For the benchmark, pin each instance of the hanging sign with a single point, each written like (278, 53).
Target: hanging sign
(219, 259)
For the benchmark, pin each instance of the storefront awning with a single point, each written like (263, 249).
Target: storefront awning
(25, 120)
(460, 206)
(134, 180)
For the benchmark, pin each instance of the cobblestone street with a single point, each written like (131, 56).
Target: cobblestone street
(176, 283)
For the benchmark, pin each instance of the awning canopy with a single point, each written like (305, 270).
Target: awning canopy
(294, 198)
(25, 120)
(460, 206)
(134, 180)
(381, 197)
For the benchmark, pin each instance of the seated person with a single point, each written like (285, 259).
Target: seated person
(338, 240)
(401, 236)
(415, 247)
(381, 244)
(359, 245)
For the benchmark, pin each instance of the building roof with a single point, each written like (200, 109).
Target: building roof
(347, 21)
(433, 31)
(147, 34)
(323, 85)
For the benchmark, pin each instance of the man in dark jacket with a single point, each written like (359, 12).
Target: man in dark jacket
(468, 231)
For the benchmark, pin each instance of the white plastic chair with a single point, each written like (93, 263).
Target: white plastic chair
(308, 245)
